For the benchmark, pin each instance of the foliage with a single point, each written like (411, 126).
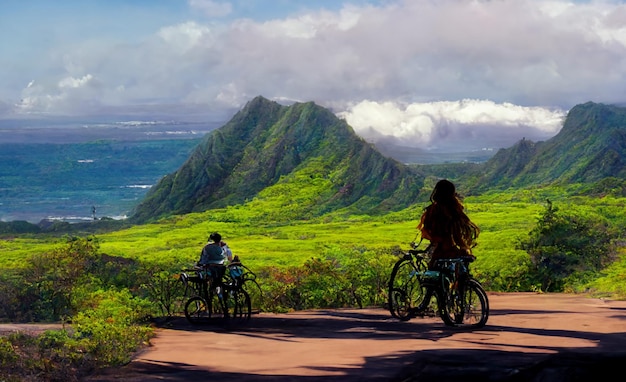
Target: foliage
(360, 280)
(50, 278)
(109, 329)
(562, 246)
(611, 282)
(163, 289)
(18, 226)
(55, 284)
(106, 334)
(267, 145)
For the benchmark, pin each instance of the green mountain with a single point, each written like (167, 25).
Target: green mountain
(591, 146)
(265, 144)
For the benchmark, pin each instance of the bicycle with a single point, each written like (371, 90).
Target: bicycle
(244, 278)
(215, 299)
(461, 300)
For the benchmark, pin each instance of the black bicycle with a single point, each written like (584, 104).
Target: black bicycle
(460, 299)
(214, 299)
(242, 277)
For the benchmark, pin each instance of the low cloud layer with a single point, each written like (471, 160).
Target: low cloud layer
(420, 72)
(446, 125)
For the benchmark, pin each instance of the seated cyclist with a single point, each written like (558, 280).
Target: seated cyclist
(445, 224)
(213, 256)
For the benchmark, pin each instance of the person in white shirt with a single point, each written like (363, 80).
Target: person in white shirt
(213, 256)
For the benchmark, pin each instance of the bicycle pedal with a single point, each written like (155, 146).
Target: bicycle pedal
(415, 312)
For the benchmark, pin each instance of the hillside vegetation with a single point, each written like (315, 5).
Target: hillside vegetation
(590, 147)
(320, 216)
(264, 144)
(288, 184)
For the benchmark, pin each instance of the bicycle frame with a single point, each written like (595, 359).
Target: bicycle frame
(223, 298)
(240, 276)
(461, 300)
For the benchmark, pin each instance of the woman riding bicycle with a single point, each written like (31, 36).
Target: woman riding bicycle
(444, 223)
(450, 231)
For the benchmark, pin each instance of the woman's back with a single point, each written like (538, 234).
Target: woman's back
(445, 224)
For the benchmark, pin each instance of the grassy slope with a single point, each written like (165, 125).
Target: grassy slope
(263, 232)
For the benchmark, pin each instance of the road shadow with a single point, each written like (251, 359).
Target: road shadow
(464, 363)
(330, 324)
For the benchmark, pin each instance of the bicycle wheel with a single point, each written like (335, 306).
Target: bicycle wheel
(196, 310)
(466, 306)
(256, 294)
(480, 316)
(405, 288)
(400, 304)
(238, 306)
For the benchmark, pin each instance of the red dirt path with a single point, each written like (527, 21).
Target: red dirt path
(529, 337)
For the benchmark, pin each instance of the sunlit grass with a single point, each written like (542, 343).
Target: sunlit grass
(504, 219)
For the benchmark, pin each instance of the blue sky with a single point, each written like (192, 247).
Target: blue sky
(422, 73)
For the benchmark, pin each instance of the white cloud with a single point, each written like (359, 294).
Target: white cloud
(450, 68)
(183, 37)
(71, 82)
(461, 123)
(67, 96)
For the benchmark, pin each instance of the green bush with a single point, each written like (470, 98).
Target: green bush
(164, 288)
(8, 356)
(359, 279)
(568, 248)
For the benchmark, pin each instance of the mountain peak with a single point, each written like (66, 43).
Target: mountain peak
(266, 143)
(591, 146)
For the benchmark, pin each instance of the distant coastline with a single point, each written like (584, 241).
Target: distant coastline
(60, 171)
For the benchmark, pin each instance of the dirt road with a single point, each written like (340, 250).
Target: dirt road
(529, 337)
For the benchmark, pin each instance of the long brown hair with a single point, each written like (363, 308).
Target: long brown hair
(445, 217)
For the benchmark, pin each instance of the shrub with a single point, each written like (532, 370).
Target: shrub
(104, 335)
(564, 245)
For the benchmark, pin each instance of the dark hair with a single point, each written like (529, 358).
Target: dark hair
(444, 192)
(216, 237)
(446, 216)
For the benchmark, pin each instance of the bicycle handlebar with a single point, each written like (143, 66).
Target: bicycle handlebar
(416, 252)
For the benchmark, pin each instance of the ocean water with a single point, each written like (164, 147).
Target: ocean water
(80, 171)
(72, 206)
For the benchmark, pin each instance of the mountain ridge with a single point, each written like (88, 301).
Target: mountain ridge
(266, 141)
(590, 146)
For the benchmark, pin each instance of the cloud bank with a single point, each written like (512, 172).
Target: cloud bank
(445, 125)
(420, 72)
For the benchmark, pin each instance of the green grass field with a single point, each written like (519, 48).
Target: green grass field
(504, 218)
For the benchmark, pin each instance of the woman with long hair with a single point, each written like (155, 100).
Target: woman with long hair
(445, 224)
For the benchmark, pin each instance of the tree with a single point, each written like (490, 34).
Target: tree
(52, 277)
(562, 245)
